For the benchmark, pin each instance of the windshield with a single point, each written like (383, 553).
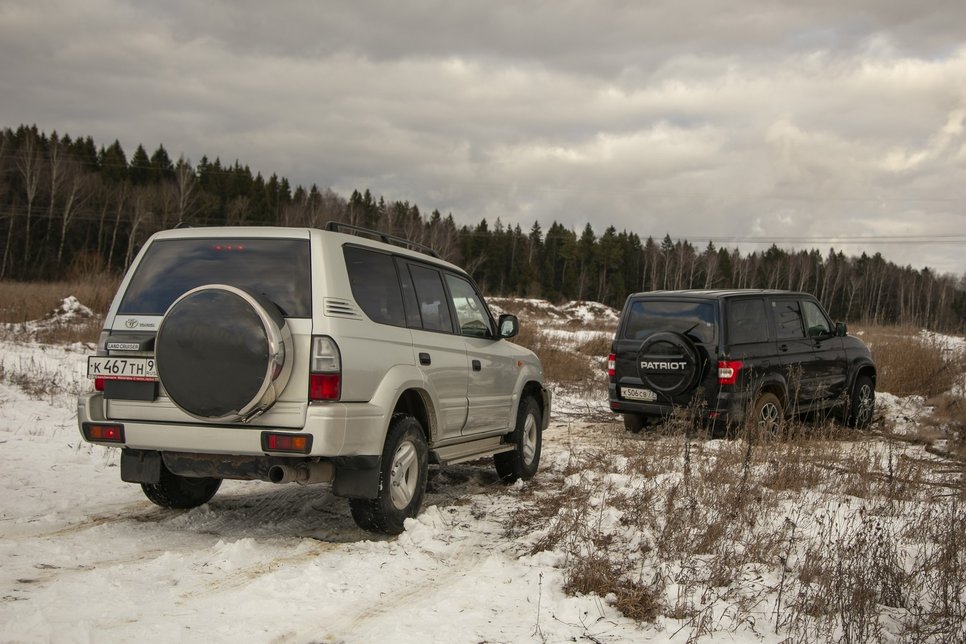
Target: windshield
(275, 268)
(694, 319)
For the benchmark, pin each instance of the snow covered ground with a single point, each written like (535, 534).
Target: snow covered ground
(86, 558)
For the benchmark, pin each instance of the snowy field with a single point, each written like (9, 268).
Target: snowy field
(86, 558)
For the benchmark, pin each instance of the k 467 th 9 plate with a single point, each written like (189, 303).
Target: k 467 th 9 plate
(633, 393)
(122, 368)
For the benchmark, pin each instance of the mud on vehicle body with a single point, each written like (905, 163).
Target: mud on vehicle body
(731, 354)
(300, 355)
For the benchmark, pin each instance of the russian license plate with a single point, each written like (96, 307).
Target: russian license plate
(634, 393)
(122, 368)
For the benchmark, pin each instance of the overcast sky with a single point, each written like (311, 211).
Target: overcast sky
(751, 119)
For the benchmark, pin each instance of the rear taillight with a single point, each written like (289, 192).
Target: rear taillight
(272, 442)
(611, 359)
(98, 384)
(728, 371)
(103, 432)
(325, 372)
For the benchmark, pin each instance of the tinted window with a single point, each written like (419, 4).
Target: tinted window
(409, 295)
(815, 320)
(375, 286)
(747, 321)
(470, 312)
(788, 319)
(695, 319)
(275, 268)
(433, 308)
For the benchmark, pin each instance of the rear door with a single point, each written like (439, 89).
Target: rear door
(750, 338)
(664, 349)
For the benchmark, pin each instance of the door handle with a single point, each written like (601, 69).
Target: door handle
(783, 347)
(424, 359)
(477, 366)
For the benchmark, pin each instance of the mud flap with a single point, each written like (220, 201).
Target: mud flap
(140, 466)
(360, 480)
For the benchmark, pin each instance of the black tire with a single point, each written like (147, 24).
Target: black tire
(861, 403)
(523, 460)
(768, 413)
(634, 423)
(181, 492)
(402, 479)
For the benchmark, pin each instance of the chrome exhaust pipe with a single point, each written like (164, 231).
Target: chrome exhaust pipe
(303, 473)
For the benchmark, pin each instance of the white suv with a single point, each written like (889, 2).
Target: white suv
(301, 355)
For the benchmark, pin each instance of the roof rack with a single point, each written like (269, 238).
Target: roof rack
(338, 226)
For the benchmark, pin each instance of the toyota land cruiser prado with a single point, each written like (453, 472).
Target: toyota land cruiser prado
(300, 355)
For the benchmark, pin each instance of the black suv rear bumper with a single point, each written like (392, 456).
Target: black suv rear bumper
(727, 408)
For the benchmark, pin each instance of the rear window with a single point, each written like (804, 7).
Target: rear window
(275, 268)
(747, 321)
(375, 286)
(695, 319)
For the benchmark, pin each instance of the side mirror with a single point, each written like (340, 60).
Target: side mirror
(509, 326)
(841, 330)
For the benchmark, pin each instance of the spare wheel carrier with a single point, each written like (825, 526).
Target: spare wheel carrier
(222, 353)
(669, 363)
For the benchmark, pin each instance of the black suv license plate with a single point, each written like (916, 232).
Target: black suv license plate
(634, 393)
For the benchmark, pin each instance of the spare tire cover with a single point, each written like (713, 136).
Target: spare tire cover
(220, 352)
(669, 363)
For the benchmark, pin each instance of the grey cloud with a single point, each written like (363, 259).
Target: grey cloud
(693, 118)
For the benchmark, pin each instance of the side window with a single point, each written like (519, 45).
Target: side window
(375, 287)
(433, 308)
(747, 321)
(788, 319)
(470, 312)
(815, 320)
(410, 301)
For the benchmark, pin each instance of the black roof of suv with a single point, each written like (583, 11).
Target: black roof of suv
(735, 353)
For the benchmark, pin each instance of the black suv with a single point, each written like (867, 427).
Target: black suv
(730, 353)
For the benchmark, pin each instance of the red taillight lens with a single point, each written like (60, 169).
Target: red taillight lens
(103, 433)
(324, 386)
(98, 384)
(728, 371)
(286, 443)
(611, 359)
(325, 370)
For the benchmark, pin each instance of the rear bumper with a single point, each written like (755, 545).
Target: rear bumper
(727, 407)
(337, 429)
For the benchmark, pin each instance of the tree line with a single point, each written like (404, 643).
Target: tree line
(70, 209)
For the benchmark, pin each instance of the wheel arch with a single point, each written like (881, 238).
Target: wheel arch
(417, 403)
(535, 389)
(775, 386)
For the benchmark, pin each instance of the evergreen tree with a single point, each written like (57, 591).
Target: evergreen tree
(140, 171)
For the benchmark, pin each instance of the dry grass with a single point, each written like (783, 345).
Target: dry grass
(22, 304)
(26, 301)
(908, 363)
(578, 370)
(806, 533)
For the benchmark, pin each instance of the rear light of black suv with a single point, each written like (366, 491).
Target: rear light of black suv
(325, 371)
(728, 371)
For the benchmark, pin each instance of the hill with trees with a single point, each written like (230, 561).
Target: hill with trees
(69, 208)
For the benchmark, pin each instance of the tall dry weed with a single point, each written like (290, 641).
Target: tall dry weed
(802, 531)
(908, 363)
